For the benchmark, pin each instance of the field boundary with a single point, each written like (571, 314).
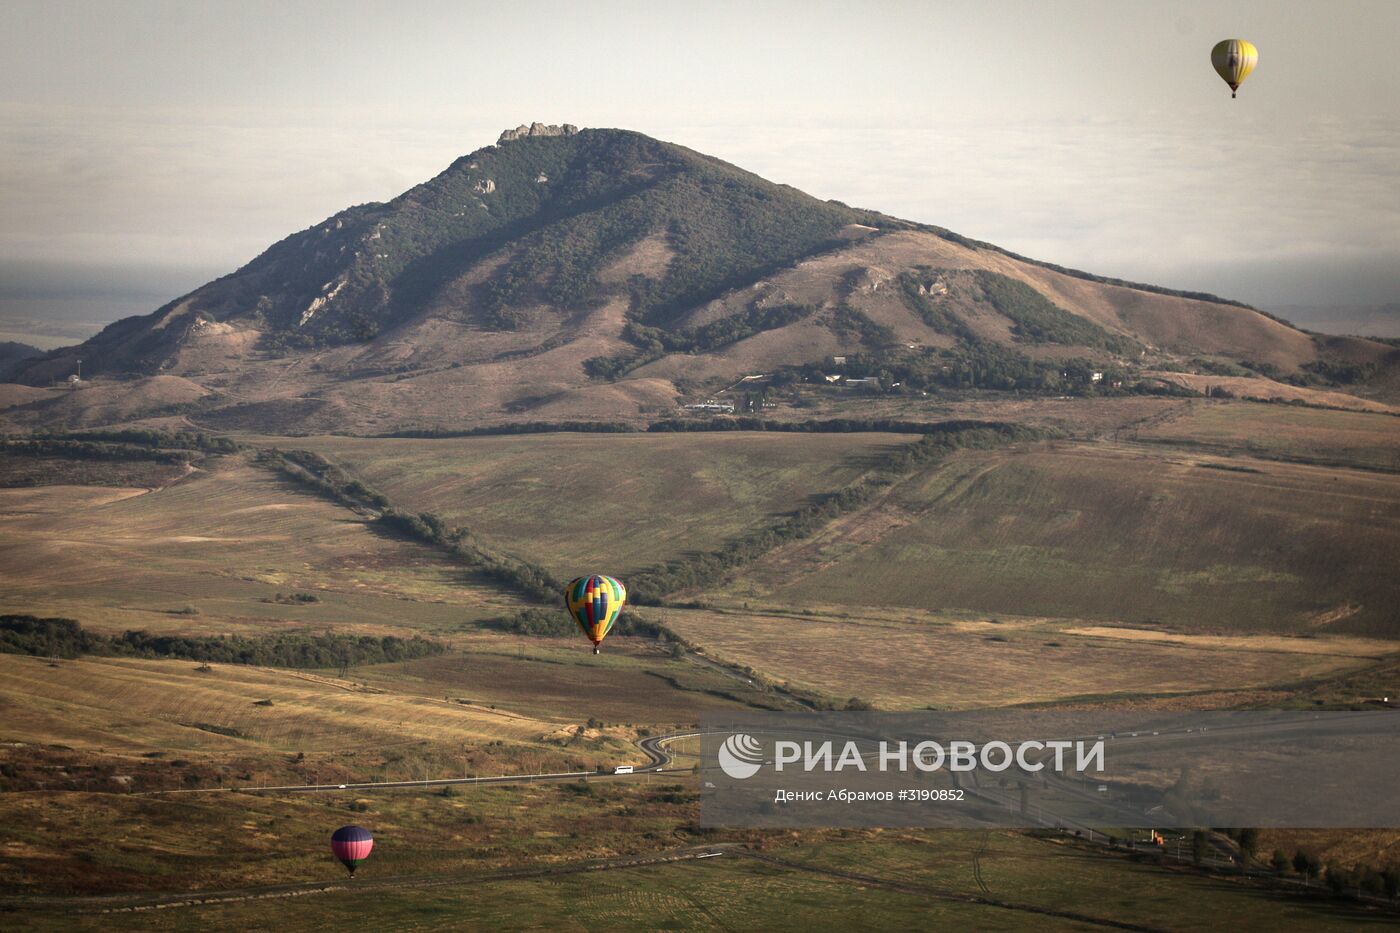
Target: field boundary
(651, 586)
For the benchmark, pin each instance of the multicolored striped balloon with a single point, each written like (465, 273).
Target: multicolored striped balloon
(351, 844)
(595, 603)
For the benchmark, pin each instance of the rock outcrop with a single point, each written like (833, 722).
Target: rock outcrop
(537, 129)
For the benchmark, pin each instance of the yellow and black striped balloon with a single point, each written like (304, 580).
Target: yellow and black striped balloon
(1234, 59)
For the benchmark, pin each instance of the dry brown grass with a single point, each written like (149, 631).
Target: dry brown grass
(1337, 645)
(1350, 847)
(967, 665)
(1358, 438)
(1266, 389)
(101, 401)
(223, 541)
(133, 706)
(633, 681)
(1113, 533)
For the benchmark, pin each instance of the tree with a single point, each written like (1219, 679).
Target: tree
(1338, 878)
(1280, 861)
(1249, 843)
(1200, 846)
(1390, 883)
(1306, 864)
(1370, 880)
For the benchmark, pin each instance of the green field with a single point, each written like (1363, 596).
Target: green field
(580, 502)
(904, 881)
(1067, 877)
(1135, 534)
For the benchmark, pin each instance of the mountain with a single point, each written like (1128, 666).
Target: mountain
(12, 354)
(584, 274)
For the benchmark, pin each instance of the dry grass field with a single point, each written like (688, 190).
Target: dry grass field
(575, 502)
(223, 543)
(1076, 416)
(922, 662)
(1338, 437)
(1268, 390)
(121, 725)
(133, 706)
(632, 681)
(1112, 532)
(81, 843)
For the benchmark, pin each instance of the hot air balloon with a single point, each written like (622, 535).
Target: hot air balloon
(1234, 59)
(351, 844)
(595, 603)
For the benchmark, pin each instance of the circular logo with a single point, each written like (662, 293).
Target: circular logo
(740, 756)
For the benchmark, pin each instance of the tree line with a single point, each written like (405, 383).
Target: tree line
(653, 584)
(720, 423)
(147, 437)
(122, 444)
(312, 469)
(91, 450)
(66, 638)
(556, 623)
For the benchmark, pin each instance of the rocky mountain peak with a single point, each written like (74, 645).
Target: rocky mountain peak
(537, 129)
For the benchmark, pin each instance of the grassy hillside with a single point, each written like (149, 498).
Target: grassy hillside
(908, 659)
(136, 706)
(12, 354)
(1283, 432)
(213, 552)
(630, 683)
(620, 501)
(1113, 532)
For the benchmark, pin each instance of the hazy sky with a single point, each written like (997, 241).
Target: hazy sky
(154, 144)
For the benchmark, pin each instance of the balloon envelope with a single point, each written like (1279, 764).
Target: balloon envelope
(351, 844)
(1234, 59)
(595, 602)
